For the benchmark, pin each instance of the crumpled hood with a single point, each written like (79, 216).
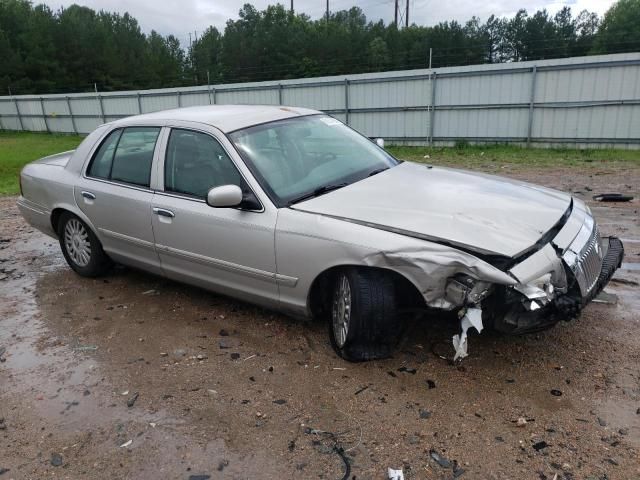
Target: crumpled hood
(484, 213)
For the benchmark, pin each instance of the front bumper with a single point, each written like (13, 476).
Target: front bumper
(613, 256)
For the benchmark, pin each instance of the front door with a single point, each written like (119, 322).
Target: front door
(115, 194)
(230, 250)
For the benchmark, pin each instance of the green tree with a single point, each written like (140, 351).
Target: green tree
(620, 29)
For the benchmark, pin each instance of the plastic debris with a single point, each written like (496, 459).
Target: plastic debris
(472, 318)
(395, 474)
(612, 197)
(126, 444)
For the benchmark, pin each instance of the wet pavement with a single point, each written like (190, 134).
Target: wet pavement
(133, 376)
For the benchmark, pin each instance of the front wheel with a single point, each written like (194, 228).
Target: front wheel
(81, 248)
(364, 324)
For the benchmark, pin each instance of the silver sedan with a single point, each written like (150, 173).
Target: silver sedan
(293, 210)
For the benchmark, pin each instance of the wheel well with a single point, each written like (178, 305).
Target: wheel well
(55, 217)
(320, 292)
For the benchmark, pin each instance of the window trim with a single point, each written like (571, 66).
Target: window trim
(98, 145)
(193, 198)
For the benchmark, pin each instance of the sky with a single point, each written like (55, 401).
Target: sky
(188, 16)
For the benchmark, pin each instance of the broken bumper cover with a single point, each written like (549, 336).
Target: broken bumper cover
(613, 256)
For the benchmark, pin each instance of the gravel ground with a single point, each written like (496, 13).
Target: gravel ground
(133, 376)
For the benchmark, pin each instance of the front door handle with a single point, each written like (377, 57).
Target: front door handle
(163, 212)
(88, 195)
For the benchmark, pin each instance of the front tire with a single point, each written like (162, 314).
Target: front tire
(81, 248)
(364, 324)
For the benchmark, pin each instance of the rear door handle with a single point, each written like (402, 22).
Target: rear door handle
(88, 195)
(163, 212)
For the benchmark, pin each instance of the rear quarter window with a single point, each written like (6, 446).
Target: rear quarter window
(126, 156)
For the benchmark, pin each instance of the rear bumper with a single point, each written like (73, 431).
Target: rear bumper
(36, 216)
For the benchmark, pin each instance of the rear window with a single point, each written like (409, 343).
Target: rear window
(126, 156)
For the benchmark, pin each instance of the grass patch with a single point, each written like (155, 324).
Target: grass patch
(19, 148)
(488, 157)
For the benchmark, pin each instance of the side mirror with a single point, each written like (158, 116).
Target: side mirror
(224, 196)
(380, 142)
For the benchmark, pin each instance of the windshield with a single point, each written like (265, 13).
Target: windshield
(302, 157)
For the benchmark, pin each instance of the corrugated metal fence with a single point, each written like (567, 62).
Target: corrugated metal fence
(585, 101)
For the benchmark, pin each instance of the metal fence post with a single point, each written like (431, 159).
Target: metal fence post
(534, 71)
(44, 115)
(139, 104)
(432, 118)
(179, 99)
(15, 101)
(279, 94)
(213, 91)
(73, 120)
(346, 100)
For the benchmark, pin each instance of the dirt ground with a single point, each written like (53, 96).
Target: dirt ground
(227, 390)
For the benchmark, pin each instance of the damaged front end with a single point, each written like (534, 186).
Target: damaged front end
(553, 283)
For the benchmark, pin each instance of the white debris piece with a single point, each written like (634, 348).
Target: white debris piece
(395, 474)
(126, 444)
(473, 318)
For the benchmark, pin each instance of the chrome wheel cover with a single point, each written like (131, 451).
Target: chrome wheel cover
(341, 311)
(76, 242)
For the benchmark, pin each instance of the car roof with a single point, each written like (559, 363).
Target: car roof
(224, 117)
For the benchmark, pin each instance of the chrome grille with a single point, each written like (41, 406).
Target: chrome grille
(585, 255)
(590, 260)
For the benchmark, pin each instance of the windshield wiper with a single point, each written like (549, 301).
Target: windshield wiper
(377, 171)
(318, 191)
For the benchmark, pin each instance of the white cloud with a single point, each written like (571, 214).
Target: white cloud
(189, 16)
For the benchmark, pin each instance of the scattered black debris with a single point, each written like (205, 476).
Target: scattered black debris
(602, 422)
(510, 380)
(499, 439)
(336, 448)
(132, 400)
(235, 356)
(86, 393)
(223, 333)
(56, 459)
(3, 425)
(540, 445)
(292, 445)
(199, 477)
(412, 371)
(458, 471)
(3, 471)
(440, 460)
(556, 393)
(424, 414)
(2, 350)
(358, 392)
(271, 369)
(222, 465)
(393, 374)
(623, 431)
(612, 197)
(280, 401)
(431, 384)
(253, 379)
(638, 411)
(612, 461)
(69, 405)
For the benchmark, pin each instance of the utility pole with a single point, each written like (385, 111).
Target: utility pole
(327, 11)
(291, 6)
(406, 19)
(395, 14)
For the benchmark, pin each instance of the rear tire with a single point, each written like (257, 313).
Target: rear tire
(81, 248)
(363, 324)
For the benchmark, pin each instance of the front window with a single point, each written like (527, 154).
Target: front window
(298, 158)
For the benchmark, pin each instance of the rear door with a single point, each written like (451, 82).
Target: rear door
(115, 193)
(230, 250)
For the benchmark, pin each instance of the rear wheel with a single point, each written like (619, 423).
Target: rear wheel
(364, 324)
(81, 248)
